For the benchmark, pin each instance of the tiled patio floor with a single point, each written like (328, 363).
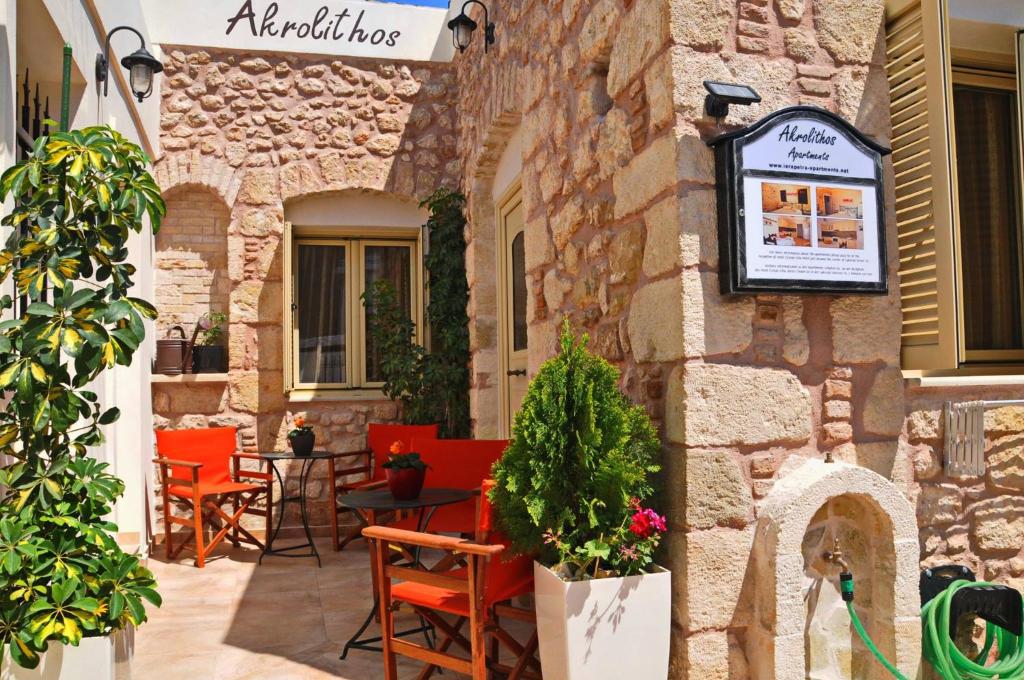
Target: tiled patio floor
(282, 620)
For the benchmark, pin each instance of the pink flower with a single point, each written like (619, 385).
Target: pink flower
(629, 552)
(646, 522)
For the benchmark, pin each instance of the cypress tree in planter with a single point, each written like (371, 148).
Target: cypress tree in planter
(63, 577)
(570, 490)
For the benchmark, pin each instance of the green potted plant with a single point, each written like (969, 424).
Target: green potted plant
(209, 354)
(301, 438)
(64, 580)
(571, 491)
(405, 472)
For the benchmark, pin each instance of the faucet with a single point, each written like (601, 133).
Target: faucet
(835, 555)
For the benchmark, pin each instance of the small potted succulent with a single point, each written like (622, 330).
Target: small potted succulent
(210, 355)
(301, 438)
(406, 473)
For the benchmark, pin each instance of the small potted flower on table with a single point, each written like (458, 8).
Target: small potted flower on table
(406, 473)
(301, 438)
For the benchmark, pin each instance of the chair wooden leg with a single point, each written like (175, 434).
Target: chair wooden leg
(387, 621)
(168, 531)
(234, 530)
(197, 518)
(332, 505)
(478, 663)
(525, 658)
(495, 654)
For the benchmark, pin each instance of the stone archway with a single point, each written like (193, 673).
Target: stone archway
(777, 635)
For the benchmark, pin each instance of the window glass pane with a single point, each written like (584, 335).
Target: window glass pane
(321, 313)
(989, 197)
(389, 263)
(518, 293)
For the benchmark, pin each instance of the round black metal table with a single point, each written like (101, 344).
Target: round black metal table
(368, 505)
(307, 466)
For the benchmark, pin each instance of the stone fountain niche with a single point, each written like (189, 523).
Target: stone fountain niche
(800, 628)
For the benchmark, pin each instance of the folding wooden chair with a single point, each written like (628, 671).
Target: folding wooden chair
(479, 595)
(365, 466)
(201, 469)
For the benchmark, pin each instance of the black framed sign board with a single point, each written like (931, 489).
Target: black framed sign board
(800, 206)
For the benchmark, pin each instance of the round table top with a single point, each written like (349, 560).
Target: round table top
(288, 455)
(381, 499)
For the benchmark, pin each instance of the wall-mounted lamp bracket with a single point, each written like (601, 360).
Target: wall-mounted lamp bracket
(720, 95)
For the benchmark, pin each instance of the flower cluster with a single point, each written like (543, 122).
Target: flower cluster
(627, 551)
(398, 459)
(645, 522)
(300, 427)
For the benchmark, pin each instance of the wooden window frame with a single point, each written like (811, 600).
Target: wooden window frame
(355, 242)
(989, 78)
(920, 70)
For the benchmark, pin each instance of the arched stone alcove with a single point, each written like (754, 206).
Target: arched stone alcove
(192, 258)
(800, 628)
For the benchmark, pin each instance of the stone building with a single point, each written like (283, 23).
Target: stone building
(580, 140)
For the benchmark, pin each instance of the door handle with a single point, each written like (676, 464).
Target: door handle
(521, 371)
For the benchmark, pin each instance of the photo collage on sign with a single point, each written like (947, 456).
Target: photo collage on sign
(799, 215)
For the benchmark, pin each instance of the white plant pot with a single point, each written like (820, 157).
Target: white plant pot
(98, 658)
(605, 629)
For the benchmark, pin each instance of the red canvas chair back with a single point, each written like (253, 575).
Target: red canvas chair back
(210, 446)
(379, 439)
(508, 575)
(458, 464)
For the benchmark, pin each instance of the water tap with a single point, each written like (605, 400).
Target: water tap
(835, 556)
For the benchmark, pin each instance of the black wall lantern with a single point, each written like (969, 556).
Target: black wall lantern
(141, 65)
(462, 28)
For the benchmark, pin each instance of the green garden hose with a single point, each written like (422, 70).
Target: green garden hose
(939, 650)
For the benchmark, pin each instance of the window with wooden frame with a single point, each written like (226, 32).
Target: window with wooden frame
(327, 344)
(957, 160)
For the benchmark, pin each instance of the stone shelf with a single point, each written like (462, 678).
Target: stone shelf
(206, 378)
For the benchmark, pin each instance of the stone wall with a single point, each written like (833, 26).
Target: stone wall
(242, 135)
(976, 521)
(621, 237)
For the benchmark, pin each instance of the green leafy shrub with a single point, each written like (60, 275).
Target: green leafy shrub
(432, 387)
(577, 466)
(77, 200)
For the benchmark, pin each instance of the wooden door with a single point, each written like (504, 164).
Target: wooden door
(513, 299)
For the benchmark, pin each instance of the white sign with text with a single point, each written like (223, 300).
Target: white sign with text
(380, 30)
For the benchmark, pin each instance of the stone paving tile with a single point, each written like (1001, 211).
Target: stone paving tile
(282, 620)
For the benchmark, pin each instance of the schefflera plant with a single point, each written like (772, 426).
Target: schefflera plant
(77, 200)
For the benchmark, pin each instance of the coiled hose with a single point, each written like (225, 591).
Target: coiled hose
(949, 661)
(939, 650)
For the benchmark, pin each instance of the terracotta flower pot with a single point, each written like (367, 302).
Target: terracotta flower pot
(405, 483)
(302, 443)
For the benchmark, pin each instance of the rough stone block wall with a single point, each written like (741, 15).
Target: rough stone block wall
(621, 237)
(256, 131)
(977, 521)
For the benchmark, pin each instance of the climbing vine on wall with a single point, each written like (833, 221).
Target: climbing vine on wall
(432, 385)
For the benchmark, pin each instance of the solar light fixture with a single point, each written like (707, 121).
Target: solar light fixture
(720, 95)
(462, 28)
(141, 65)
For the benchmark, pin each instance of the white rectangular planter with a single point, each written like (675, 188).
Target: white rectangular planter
(98, 658)
(605, 629)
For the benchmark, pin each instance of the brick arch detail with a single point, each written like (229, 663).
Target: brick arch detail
(175, 171)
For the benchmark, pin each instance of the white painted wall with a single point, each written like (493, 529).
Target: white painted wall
(510, 165)
(377, 30)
